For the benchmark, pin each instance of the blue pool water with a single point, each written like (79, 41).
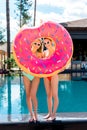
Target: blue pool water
(72, 96)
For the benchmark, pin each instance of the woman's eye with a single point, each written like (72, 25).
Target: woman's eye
(35, 43)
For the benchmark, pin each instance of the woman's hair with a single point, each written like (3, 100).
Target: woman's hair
(40, 48)
(47, 38)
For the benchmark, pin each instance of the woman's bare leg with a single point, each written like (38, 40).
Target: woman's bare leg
(27, 85)
(49, 95)
(54, 85)
(35, 84)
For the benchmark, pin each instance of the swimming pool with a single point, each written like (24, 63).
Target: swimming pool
(72, 96)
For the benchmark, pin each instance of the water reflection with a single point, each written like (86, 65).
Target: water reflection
(11, 96)
(66, 86)
(2, 80)
(3, 91)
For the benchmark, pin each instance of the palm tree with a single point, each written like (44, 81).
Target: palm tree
(34, 12)
(8, 30)
(22, 12)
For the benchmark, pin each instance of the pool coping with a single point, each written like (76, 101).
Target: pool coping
(61, 117)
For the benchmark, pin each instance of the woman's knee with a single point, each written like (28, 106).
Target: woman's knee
(28, 94)
(49, 94)
(55, 97)
(33, 95)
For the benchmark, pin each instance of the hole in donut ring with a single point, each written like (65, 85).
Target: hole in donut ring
(43, 47)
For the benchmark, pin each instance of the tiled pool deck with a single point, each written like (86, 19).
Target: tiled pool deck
(64, 121)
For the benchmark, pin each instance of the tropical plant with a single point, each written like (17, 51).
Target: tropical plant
(11, 62)
(22, 12)
(2, 36)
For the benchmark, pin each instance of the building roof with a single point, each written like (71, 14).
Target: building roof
(80, 25)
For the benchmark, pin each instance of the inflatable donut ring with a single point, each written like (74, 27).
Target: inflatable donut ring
(45, 66)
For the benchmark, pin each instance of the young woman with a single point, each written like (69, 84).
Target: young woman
(51, 84)
(31, 84)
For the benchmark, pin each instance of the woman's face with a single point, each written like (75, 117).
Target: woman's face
(47, 43)
(36, 44)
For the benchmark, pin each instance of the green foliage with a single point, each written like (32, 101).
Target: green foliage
(2, 36)
(11, 62)
(22, 12)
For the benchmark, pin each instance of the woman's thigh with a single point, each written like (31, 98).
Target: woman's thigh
(47, 85)
(54, 85)
(34, 85)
